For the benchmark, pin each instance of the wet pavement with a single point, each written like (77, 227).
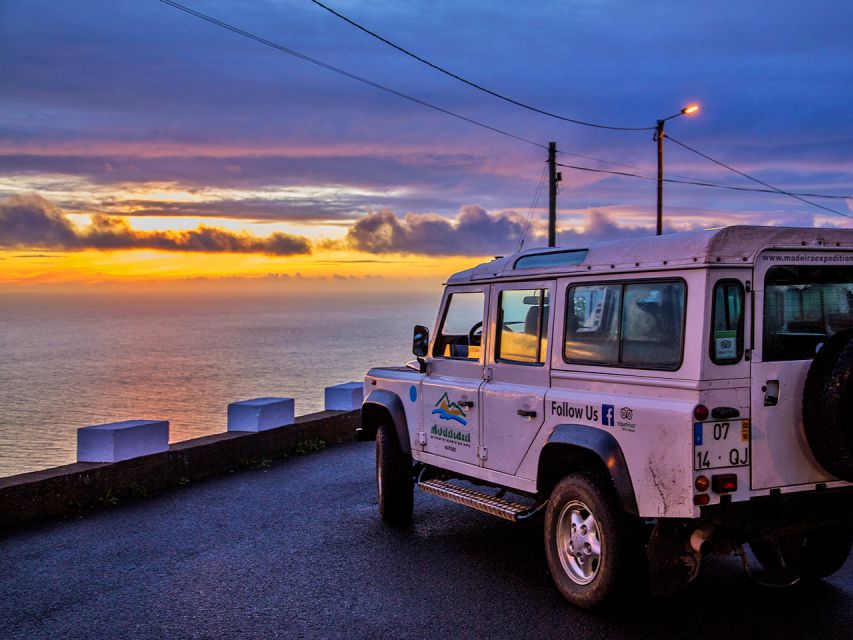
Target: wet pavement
(297, 550)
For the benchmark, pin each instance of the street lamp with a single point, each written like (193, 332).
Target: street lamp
(658, 137)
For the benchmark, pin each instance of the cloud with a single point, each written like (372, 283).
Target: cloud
(474, 232)
(31, 221)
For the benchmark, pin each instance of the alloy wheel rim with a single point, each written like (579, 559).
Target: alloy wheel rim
(579, 542)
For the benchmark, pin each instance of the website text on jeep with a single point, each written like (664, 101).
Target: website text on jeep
(653, 400)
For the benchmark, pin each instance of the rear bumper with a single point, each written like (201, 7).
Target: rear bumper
(802, 510)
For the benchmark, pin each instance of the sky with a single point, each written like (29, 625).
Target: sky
(141, 144)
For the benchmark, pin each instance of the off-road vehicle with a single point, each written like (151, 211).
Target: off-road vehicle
(656, 399)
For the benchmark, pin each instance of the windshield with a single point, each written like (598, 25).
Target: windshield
(803, 305)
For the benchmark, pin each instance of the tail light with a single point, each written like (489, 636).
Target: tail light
(725, 483)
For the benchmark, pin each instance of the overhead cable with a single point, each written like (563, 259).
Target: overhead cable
(343, 72)
(532, 208)
(756, 180)
(474, 85)
(706, 184)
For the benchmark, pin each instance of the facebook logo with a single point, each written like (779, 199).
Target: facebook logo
(607, 415)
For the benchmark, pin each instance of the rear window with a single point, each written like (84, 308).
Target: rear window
(639, 325)
(803, 305)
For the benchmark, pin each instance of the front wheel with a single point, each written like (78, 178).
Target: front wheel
(588, 542)
(394, 482)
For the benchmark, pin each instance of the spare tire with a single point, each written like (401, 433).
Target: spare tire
(828, 405)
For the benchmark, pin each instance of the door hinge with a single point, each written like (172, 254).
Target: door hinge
(483, 453)
(422, 438)
(487, 372)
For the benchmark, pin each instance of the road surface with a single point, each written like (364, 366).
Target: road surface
(298, 551)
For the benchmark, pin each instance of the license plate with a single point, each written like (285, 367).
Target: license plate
(720, 444)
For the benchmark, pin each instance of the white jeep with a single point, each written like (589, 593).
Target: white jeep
(658, 398)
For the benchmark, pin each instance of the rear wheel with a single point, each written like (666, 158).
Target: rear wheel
(828, 403)
(394, 482)
(588, 541)
(810, 556)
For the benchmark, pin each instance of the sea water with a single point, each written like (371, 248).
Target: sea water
(71, 360)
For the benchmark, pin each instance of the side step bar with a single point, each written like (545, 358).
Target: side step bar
(499, 507)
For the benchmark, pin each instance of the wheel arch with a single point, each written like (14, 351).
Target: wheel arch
(577, 447)
(380, 406)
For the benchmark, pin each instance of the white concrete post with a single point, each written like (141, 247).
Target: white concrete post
(260, 414)
(117, 441)
(345, 397)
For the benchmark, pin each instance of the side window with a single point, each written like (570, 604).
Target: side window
(633, 325)
(523, 326)
(652, 324)
(592, 323)
(461, 330)
(727, 336)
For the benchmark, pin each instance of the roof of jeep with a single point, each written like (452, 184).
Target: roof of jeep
(727, 245)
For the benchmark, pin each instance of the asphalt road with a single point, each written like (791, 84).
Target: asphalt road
(298, 551)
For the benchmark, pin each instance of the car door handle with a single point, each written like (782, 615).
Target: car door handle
(524, 413)
(771, 393)
(466, 404)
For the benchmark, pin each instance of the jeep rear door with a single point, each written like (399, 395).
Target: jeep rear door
(800, 299)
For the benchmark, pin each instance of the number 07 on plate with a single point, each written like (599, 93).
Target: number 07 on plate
(717, 445)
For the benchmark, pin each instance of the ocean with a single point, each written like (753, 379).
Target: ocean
(71, 360)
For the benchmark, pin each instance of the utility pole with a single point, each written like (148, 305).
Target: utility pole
(553, 178)
(659, 138)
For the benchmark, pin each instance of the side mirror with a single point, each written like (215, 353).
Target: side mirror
(420, 341)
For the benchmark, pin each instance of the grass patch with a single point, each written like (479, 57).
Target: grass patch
(255, 463)
(309, 446)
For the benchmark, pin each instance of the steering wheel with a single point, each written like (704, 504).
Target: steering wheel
(475, 334)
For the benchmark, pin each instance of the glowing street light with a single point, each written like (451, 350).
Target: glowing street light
(658, 137)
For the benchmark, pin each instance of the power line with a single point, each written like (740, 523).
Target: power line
(706, 184)
(371, 83)
(338, 70)
(479, 87)
(400, 94)
(701, 183)
(532, 208)
(761, 182)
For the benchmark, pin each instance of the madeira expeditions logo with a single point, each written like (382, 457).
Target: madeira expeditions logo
(448, 410)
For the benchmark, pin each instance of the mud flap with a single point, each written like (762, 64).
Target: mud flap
(673, 564)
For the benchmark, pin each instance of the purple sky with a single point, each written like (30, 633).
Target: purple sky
(98, 98)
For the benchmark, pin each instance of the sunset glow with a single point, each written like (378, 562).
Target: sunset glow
(244, 162)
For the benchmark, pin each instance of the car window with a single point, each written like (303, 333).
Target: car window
(461, 330)
(523, 326)
(592, 323)
(803, 305)
(626, 324)
(652, 323)
(727, 326)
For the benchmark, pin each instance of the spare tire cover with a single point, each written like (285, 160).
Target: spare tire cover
(828, 405)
